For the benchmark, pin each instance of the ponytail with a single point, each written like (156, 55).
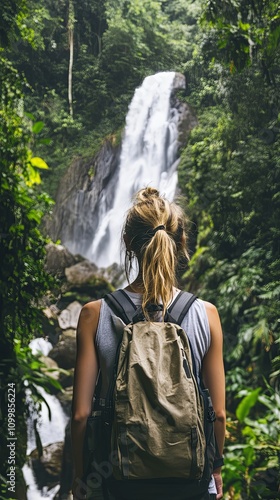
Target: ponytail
(154, 233)
(159, 270)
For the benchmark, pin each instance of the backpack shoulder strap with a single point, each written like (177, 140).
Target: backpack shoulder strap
(178, 310)
(180, 306)
(121, 304)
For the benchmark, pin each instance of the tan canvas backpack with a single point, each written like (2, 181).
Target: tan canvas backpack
(157, 421)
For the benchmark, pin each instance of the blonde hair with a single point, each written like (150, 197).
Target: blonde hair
(155, 233)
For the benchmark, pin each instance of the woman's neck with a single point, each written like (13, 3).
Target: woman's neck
(136, 286)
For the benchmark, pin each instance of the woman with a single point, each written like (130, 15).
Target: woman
(154, 233)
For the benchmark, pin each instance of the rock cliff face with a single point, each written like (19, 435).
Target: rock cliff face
(87, 190)
(76, 212)
(187, 120)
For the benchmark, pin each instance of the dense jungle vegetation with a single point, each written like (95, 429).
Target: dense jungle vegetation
(68, 70)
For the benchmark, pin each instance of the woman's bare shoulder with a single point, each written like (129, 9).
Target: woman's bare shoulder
(89, 315)
(92, 307)
(211, 308)
(213, 318)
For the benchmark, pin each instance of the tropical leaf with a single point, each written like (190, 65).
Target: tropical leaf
(37, 127)
(246, 404)
(38, 162)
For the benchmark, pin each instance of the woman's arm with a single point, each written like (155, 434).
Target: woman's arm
(214, 379)
(86, 370)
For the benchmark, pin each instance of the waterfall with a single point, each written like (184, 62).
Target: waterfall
(148, 158)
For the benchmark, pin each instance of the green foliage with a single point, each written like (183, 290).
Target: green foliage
(246, 404)
(139, 39)
(229, 173)
(252, 450)
(22, 209)
(243, 32)
(23, 279)
(9, 10)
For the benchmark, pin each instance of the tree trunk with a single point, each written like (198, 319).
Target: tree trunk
(71, 20)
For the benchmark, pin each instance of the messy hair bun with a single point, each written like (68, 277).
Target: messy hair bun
(146, 194)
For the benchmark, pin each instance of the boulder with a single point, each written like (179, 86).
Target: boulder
(69, 333)
(58, 258)
(68, 318)
(81, 273)
(114, 274)
(64, 352)
(93, 289)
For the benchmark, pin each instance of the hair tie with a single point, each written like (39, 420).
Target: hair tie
(158, 228)
(143, 238)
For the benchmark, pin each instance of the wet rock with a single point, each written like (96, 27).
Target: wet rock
(81, 273)
(179, 81)
(114, 274)
(68, 318)
(85, 282)
(187, 119)
(94, 289)
(64, 352)
(70, 332)
(47, 468)
(58, 258)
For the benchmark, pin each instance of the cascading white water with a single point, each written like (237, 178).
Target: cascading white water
(51, 431)
(148, 158)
